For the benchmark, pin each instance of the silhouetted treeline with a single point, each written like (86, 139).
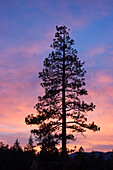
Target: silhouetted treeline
(16, 158)
(82, 161)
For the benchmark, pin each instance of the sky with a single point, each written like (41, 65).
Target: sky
(27, 28)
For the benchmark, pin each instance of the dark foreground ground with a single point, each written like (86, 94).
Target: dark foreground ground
(24, 160)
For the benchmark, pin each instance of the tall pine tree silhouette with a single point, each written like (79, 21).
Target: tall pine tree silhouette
(61, 107)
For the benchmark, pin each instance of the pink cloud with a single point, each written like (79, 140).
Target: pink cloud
(96, 7)
(97, 50)
(101, 77)
(89, 11)
(101, 93)
(93, 142)
(27, 49)
(101, 53)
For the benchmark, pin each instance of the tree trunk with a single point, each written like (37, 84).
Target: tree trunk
(63, 114)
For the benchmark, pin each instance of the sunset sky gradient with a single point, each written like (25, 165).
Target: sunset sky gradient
(27, 28)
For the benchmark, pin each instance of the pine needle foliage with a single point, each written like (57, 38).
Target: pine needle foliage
(61, 107)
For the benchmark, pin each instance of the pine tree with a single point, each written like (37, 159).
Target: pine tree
(30, 147)
(61, 107)
(16, 146)
(81, 149)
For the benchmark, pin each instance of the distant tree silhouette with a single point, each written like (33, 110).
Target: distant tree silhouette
(16, 146)
(30, 147)
(3, 146)
(81, 149)
(61, 107)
